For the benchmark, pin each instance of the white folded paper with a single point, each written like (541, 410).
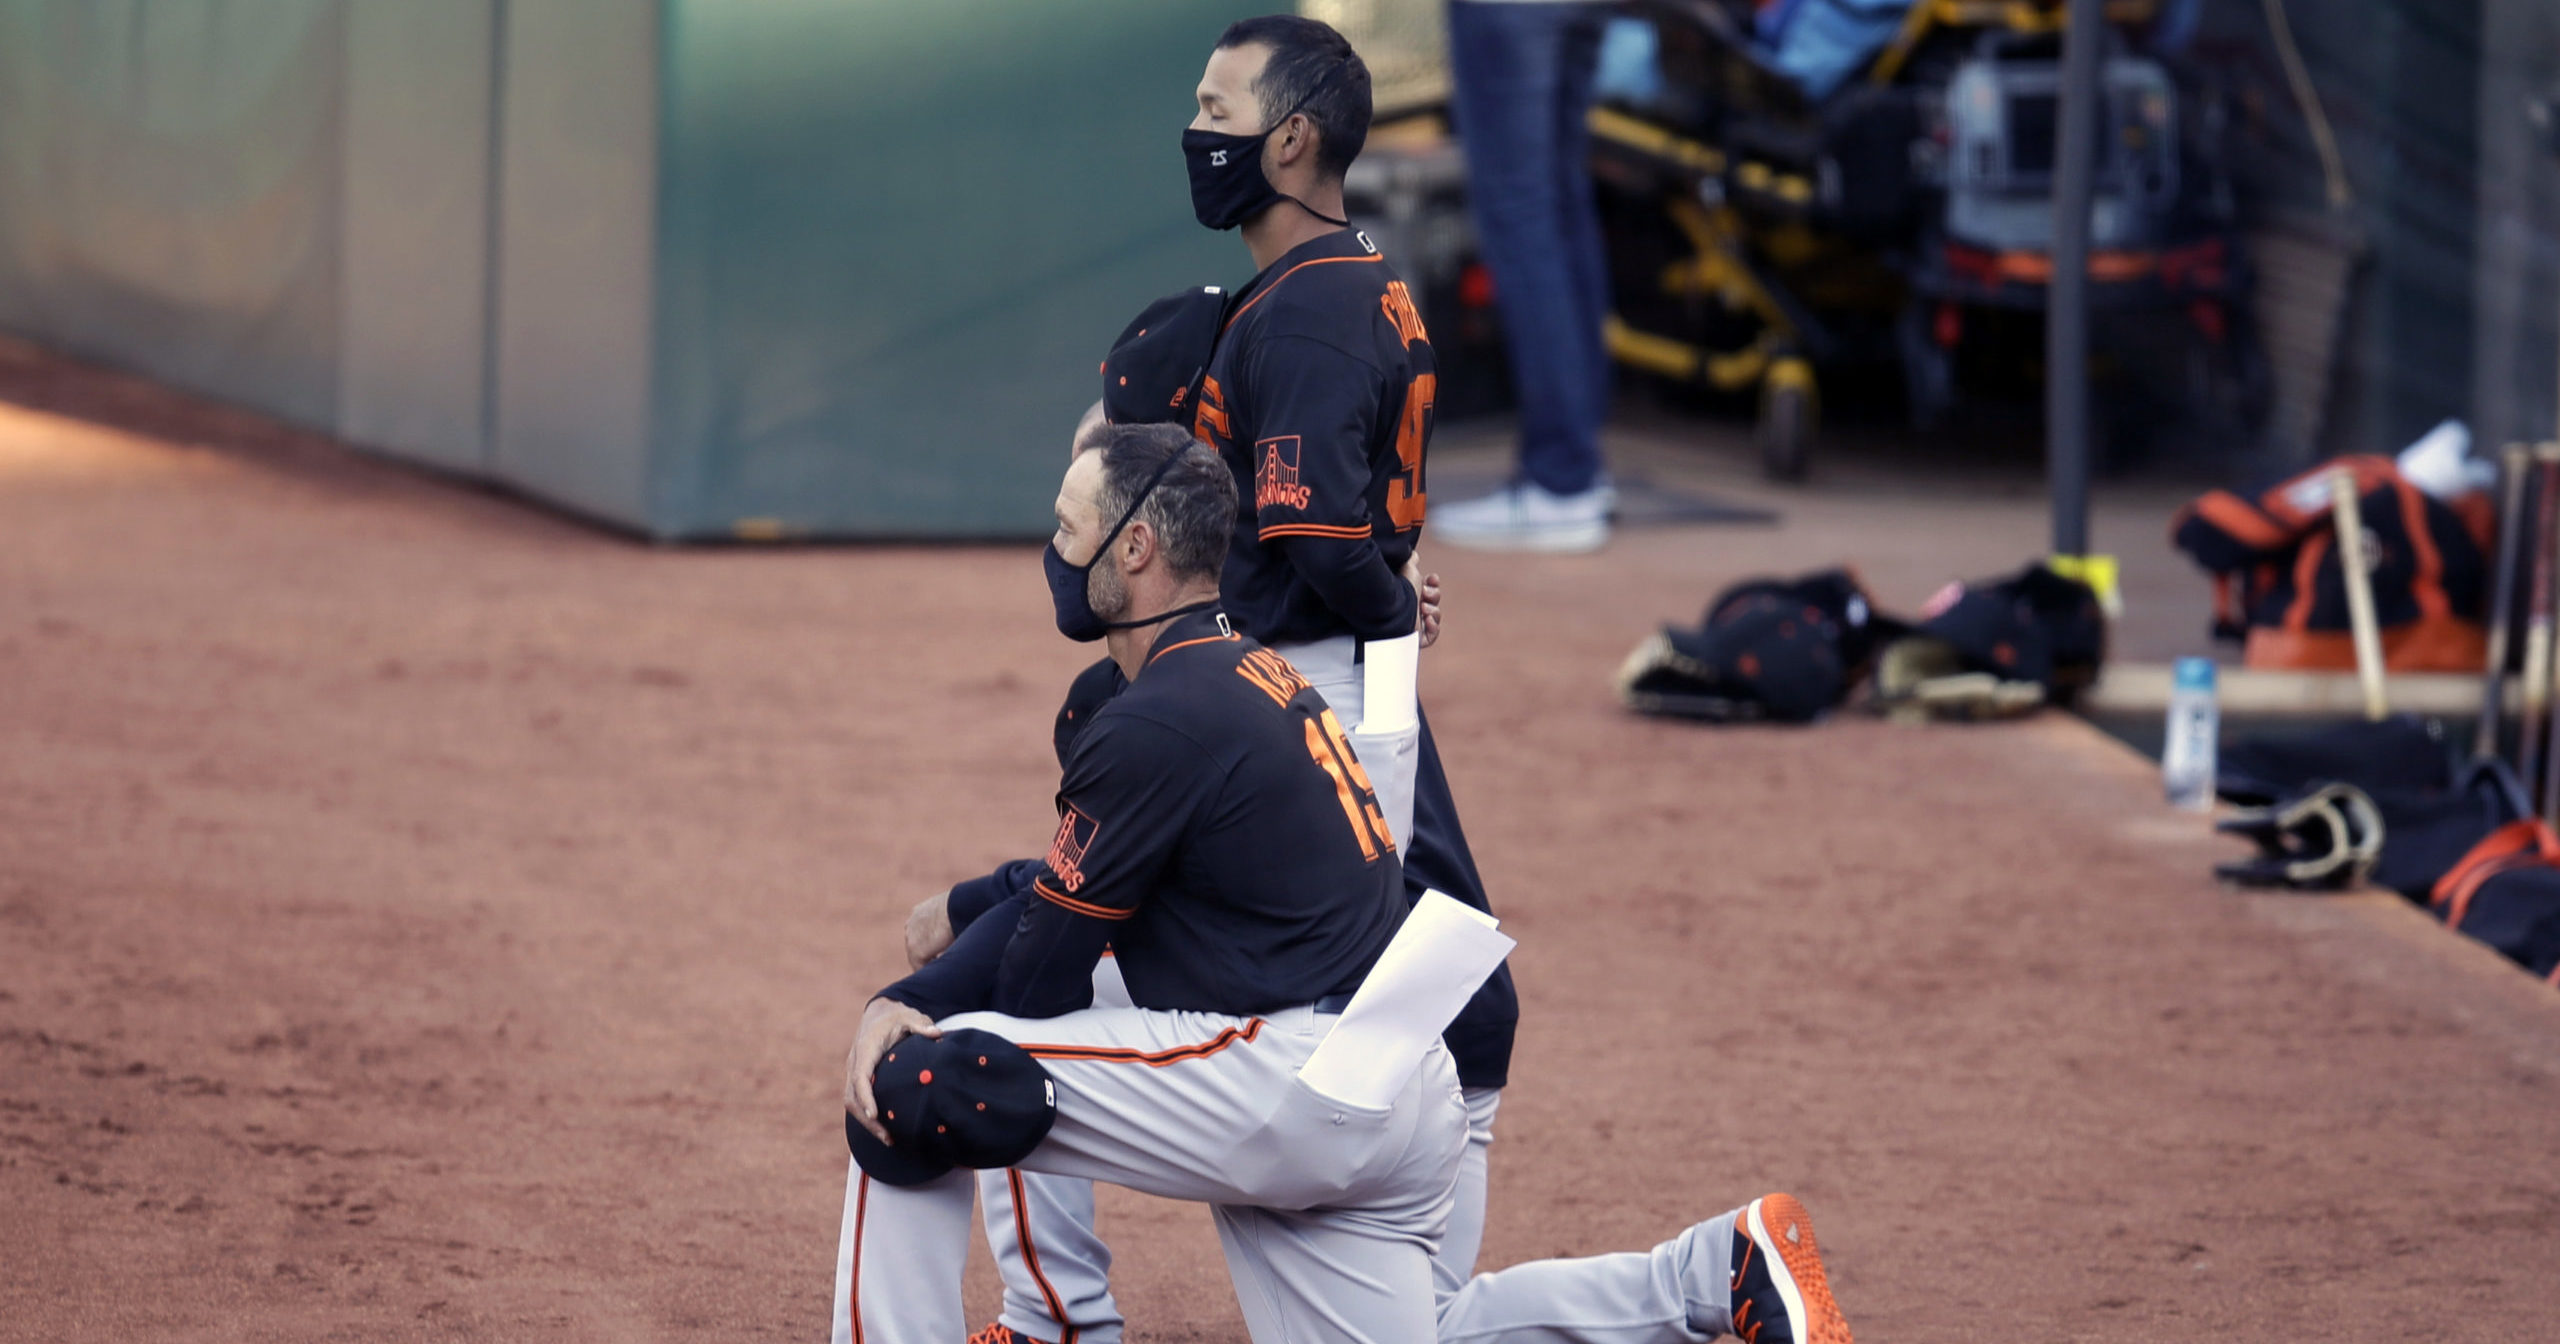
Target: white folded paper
(1389, 668)
(1443, 952)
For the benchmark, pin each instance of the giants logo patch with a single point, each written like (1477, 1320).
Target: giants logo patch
(1066, 850)
(1275, 482)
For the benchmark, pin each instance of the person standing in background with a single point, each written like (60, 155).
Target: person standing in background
(1524, 72)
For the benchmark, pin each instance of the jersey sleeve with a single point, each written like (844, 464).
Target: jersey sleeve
(1093, 688)
(963, 978)
(1048, 961)
(1131, 788)
(1314, 412)
(968, 900)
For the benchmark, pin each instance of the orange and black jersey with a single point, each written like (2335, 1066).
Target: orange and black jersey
(1319, 397)
(1215, 830)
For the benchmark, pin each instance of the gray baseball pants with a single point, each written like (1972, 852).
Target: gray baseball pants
(1057, 1288)
(1328, 1213)
(1677, 1293)
(1040, 1218)
(1057, 1270)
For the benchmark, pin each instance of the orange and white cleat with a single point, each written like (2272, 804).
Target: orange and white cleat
(1780, 1294)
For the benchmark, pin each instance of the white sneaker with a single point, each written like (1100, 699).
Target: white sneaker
(1526, 517)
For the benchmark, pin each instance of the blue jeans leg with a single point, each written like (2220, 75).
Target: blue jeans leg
(1582, 245)
(1524, 83)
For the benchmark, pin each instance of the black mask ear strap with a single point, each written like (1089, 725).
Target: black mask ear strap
(1132, 511)
(1337, 223)
(1321, 86)
(1160, 616)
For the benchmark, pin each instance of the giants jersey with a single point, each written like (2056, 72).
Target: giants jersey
(1215, 830)
(1319, 399)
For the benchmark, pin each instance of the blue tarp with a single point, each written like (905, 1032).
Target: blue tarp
(1820, 43)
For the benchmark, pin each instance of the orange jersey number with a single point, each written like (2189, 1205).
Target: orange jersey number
(1209, 419)
(1404, 492)
(1359, 798)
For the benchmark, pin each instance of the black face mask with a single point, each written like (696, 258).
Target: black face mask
(1227, 184)
(1069, 585)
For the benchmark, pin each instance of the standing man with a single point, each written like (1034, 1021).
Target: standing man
(1317, 392)
(1524, 72)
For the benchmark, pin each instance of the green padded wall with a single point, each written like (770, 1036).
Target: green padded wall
(414, 271)
(893, 242)
(169, 191)
(570, 323)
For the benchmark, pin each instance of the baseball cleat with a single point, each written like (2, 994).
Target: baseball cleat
(1780, 1294)
(1001, 1333)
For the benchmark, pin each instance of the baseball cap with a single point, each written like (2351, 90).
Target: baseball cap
(1760, 656)
(1834, 593)
(2033, 626)
(969, 1099)
(1093, 688)
(1783, 654)
(1148, 376)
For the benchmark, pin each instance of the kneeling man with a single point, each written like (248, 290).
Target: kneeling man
(1218, 834)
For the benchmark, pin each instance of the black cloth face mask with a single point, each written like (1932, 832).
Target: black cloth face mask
(1069, 584)
(1227, 184)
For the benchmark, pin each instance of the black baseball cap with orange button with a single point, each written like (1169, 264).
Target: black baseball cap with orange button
(1769, 649)
(1153, 371)
(968, 1099)
(1772, 652)
(2035, 625)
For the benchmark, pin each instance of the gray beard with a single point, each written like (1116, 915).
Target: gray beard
(1108, 593)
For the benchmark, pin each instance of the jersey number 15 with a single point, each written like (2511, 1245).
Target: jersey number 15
(1332, 751)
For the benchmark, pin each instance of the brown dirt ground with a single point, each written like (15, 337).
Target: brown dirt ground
(424, 918)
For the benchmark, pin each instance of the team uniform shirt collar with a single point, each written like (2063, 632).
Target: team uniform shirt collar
(1195, 628)
(1339, 243)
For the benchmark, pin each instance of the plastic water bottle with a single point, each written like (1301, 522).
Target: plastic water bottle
(2195, 725)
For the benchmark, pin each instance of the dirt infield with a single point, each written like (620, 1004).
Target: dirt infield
(424, 918)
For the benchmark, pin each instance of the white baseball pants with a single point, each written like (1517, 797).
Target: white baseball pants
(1328, 1213)
(1057, 1287)
(1057, 1269)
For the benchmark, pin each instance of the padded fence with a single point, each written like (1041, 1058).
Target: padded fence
(896, 241)
(169, 191)
(698, 269)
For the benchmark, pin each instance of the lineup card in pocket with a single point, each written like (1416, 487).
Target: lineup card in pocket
(1443, 952)
(1389, 668)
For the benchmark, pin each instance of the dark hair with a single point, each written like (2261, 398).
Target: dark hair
(1193, 507)
(1309, 58)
